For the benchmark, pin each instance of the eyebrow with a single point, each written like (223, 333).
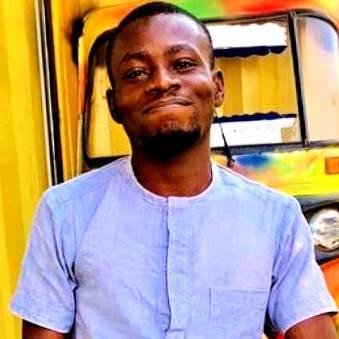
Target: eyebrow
(172, 50)
(141, 56)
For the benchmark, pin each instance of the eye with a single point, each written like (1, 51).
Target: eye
(184, 64)
(139, 74)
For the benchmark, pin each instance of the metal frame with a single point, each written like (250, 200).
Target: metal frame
(292, 24)
(322, 257)
(49, 91)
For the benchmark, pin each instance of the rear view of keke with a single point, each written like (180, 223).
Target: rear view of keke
(280, 118)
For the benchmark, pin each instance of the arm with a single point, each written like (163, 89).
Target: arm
(299, 289)
(32, 331)
(46, 279)
(320, 326)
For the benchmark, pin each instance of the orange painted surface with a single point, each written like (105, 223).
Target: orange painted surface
(330, 7)
(331, 273)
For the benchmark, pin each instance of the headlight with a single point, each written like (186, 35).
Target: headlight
(325, 229)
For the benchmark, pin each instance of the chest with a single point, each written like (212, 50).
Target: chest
(194, 246)
(162, 269)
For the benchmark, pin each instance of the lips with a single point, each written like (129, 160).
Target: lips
(166, 103)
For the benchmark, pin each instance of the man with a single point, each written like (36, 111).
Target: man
(166, 244)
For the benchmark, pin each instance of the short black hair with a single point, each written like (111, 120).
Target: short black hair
(148, 10)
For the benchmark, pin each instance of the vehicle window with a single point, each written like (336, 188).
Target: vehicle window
(318, 43)
(103, 136)
(260, 106)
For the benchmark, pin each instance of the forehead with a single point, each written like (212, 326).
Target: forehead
(157, 33)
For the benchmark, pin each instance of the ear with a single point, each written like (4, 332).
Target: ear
(218, 82)
(111, 105)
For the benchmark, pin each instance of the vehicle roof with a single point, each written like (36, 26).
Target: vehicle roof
(262, 7)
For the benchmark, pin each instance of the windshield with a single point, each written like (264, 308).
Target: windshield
(318, 42)
(260, 106)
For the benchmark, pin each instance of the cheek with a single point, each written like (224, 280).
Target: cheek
(201, 88)
(204, 92)
(127, 102)
(125, 98)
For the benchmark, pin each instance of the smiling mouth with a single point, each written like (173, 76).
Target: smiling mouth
(166, 104)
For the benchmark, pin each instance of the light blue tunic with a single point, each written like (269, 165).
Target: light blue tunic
(116, 261)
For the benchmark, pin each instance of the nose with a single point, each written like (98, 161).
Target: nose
(161, 81)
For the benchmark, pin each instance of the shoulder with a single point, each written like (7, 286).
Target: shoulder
(267, 210)
(67, 209)
(249, 190)
(93, 183)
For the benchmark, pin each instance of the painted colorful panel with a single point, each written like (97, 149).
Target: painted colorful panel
(295, 172)
(259, 7)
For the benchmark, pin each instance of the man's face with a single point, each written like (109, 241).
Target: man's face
(164, 89)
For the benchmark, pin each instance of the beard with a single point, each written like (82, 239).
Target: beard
(168, 140)
(169, 144)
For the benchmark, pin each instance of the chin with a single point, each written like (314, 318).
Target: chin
(169, 143)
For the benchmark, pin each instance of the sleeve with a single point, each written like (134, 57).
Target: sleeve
(298, 289)
(45, 290)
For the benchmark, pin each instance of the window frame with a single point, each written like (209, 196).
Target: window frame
(330, 25)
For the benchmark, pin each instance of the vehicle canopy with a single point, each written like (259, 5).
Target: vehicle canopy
(99, 22)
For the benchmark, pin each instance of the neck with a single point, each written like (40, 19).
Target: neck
(187, 174)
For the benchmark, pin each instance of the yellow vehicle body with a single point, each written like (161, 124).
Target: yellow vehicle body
(23, 173)
(25, 162)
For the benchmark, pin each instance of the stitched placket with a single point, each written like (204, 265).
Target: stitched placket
(177, 271)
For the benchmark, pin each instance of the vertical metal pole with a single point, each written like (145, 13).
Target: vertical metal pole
(48, 95)
(293, 30)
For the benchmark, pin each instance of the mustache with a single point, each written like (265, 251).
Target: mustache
(166, 102)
